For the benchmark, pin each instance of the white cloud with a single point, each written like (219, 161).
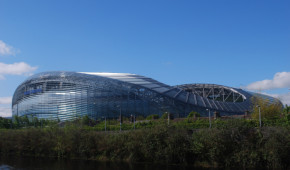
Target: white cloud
(5, 100)
(284, 98)
(6, 49)
(5, 106)
(20, 68)
(280, 80)
(5, 112)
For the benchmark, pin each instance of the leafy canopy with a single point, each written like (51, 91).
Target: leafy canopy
(268, 109)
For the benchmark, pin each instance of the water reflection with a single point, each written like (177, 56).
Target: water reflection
(13, 163)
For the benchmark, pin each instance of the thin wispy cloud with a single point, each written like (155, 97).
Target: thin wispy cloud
(5, 112)
(6, 50)
(280, 80)
(5, 100)
(5, 106)
(20, 68)
(284, 98)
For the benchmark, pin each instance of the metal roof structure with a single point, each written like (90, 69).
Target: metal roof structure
(212, 96)
(119, 88)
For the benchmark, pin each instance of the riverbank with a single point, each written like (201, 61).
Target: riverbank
(231, 145)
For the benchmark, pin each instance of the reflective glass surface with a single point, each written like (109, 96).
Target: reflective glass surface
(70, 95)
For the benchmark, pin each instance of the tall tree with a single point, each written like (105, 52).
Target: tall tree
(268, 109)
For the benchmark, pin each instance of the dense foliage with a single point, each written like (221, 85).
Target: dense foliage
(235, 144)
(268, 110)
(141, 123)
(153, 116)
(286, 110)
(193, 114)
(24, 122)
(229, 143)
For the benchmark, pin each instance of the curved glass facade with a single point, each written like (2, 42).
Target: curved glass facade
(69, 95)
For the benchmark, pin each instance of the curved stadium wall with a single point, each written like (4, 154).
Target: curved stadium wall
(70, 95)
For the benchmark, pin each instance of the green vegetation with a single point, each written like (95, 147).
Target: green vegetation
(268, 110)
(5, 123)
(24, 122)
(165, 116)
(141, 123)
(193, 114)
(233, 143)
(229, 143)
(286, 110)
(153, 116)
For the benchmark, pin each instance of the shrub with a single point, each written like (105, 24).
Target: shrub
(268, 110)
(235, 143)
(153, 116)
(140, 117)
(165, 116)
(193, 114)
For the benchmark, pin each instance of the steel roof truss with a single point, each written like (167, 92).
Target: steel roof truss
(178, 93)
(228, 96)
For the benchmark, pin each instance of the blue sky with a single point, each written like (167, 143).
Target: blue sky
(235, 43)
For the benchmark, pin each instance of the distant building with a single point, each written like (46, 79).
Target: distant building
(70, 95)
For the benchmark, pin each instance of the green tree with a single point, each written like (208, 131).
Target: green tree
(153, 116)
(268, 109)
(24, 120)
(16, 121)
(35, 121)
(193, 114)
(165, 115)
(5, 123)
(85, 120)
(140, 117)
(286, 110)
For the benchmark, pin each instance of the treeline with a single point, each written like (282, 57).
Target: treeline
(23, 122)
(151, 121)
(272, 115)
(232, 145)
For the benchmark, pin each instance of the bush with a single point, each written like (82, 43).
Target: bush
(235, 143)
(286, 110)
(268, 110)
(193, 114)
(153, 116)
(165, 116)
(5, 123)
(140, 117)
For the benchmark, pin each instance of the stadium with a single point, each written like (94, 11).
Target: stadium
(61, 95)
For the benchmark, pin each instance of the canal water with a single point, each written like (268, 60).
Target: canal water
(16, 163)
